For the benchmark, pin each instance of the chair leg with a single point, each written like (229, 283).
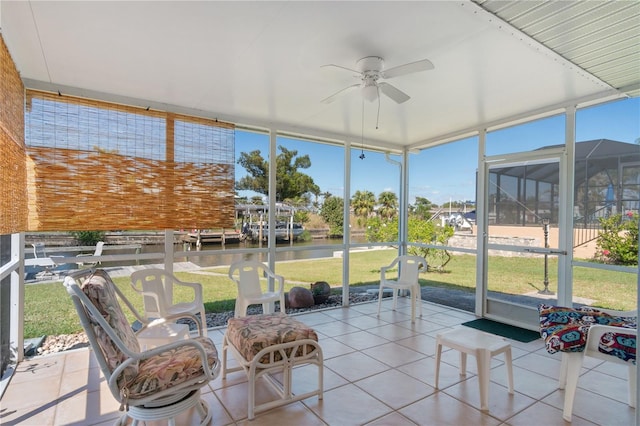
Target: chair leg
(633, 385)
(438, 357)
(483, 359)
(562, 380)
(416, 301)
(413, 295)
(203, 318)
(573, 367)
(379, 299)
(241, 309)
(205, 412)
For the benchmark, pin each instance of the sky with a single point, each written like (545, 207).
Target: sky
(447, 173)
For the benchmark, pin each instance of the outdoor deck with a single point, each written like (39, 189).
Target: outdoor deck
(378, 371)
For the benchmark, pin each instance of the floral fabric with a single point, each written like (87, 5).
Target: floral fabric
(150, 375)
(251, 334)
(565, 329)
(99, 289)
(171, 368)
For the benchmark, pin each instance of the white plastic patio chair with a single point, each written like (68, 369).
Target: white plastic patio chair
(97, 252)
(153, 283)
(247, 275)
(407, 279)
(43, 260)
(572, 361)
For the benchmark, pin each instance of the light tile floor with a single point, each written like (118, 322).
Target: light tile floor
(378, 371)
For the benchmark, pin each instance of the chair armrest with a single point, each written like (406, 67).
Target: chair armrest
(596, 332)
(151, 294)
(384, 269)
(280, 280)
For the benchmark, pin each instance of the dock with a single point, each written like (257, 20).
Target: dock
(232, 237)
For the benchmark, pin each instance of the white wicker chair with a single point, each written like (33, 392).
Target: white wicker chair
(138, 379)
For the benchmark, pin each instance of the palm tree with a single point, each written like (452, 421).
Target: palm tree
(388, 205)
(363, 203)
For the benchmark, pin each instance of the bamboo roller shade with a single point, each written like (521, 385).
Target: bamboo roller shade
(99, 166)
(13, 181)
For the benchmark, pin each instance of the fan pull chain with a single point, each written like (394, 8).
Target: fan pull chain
(362, 133)
(378, 117)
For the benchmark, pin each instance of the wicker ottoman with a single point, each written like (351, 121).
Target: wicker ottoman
(267, 344)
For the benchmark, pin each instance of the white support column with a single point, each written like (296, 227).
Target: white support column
(402, 226)
(482, 226)
(16, 332)
(273, 170)
(346, 241)
(637, 334)
(403, 232)
(565, 212)
(168, 260)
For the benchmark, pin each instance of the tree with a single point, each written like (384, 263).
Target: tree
(388, 205)
(290, 183)
(301, 216)
(422, 208)
(363, 203)
(332, 212)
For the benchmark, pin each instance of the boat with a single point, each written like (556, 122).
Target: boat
(284, 231)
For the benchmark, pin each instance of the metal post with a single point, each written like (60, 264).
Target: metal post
(545, 228)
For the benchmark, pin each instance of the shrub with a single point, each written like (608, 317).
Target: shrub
(617, 244)
(88, 238)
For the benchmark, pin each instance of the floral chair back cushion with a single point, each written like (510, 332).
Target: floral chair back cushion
(99, 289)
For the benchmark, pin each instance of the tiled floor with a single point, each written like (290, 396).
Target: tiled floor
(378, 371)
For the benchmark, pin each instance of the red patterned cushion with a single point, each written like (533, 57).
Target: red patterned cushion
(565, 329)
(620, 345)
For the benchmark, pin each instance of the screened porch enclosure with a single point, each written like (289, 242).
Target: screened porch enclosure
(606, 182)
(148, 120)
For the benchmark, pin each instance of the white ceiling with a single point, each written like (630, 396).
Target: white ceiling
(259, 63)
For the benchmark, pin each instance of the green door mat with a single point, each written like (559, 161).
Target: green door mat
(504, 330)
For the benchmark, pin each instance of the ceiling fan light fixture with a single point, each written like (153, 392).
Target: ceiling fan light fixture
(370, 92)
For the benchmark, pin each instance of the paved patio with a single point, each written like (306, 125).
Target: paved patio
(378, 371)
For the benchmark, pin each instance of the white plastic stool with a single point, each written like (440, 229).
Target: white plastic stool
(162, 334)
(483, 346)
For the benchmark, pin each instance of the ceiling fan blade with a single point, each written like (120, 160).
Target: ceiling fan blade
(340, 66)
(394, 93)
(423, 65)
(339, 93)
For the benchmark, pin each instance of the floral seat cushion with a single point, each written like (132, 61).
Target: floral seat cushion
(170, 368)
(253, 333)
(565, 330)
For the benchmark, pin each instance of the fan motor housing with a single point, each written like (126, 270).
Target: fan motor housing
(370, 63)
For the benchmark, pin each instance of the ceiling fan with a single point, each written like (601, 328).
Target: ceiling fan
(370, 70)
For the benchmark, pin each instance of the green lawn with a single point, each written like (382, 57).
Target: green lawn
(49, 311)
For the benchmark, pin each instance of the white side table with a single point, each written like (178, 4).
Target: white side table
(483, 346)
(162, 334)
